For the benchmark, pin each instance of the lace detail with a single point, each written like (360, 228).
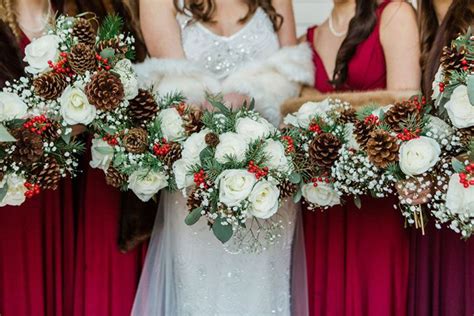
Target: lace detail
(222, 55)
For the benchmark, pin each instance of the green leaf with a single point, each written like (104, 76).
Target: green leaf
(357, 202)
(297, 196)
(5, 135)
(108, 53)
(66, 137)
(222, 232)
(252, 105)
(193, 216)
(104, 150)
(295, 178)
(470, 88)
(458, 166)
(206, 154)
(3, 191)
(220, 106)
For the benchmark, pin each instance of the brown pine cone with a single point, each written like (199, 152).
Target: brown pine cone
(192, 121)
(29, 147)
(467, 135)
(113, 43)
(212, 139)
(324, 150)
(362, 132)
(287, 189)
(50, 85)
(173, 155)
(115, 178)
(382, 149)
(399, 113)
(136, 140)
(451, 58)
(348, 116)
(105, 91)
(84, 31)
(82, 59)
(194, 201)
(48, 174)
(51, 132)
(143, 107)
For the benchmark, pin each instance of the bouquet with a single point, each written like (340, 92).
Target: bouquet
(238, 168)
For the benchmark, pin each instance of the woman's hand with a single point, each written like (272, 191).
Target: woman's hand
(417, 191)
(235, 100)
(78, 129)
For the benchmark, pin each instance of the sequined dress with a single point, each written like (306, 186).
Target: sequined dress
(188, 271)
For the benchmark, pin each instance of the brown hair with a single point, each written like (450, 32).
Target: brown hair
(360, 27)
(458, 19)
(7, 14)
(203, 10)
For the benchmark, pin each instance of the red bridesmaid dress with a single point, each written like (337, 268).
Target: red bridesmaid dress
(37, 253)
(357, 259)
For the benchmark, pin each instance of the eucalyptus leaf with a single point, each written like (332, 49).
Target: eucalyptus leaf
(222, 232)
(295, 178)
(458, 166)
(193, 216)
(220, 106)
(297, 196)
(3, 191)
(357, 202)
(206, 154)
(104, 150)
(470, 88)
(5, 135)
(107, 53)
(66, 137)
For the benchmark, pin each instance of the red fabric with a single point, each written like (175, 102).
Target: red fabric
(106, 279)
(357, 259)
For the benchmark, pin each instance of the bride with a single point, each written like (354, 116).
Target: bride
(242, 49)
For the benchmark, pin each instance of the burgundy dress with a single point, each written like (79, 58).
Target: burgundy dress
(357, 260)
(37, 253)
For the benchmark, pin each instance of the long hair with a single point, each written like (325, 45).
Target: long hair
(458, 19)
(204, 10)
(7, 15)
(360, 27)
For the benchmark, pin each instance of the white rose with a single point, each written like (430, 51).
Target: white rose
(459, 200)
(75, 108)
(146, 183)
(350, 137)
(180, 171)
(459, 108)
(230, 145)
(16, 190)
(439, 128)
(102, 154)
(128, 77)
(264, 199)
(252, 130)
(306, 113)
(171, 124)
(39, 52)
(439, 77)
(275, 153)
(419, 155)
(323, 194)
(11, 106)
(193, 146)
(235, 186)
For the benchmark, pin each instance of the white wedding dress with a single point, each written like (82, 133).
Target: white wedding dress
(187, 270)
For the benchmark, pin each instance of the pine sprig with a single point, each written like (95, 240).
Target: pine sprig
(366, 111)
(110, 28)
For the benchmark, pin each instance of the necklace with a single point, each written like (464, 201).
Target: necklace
(333, 30)
(44, 22)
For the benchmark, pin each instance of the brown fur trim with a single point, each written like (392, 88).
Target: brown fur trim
(357, 99)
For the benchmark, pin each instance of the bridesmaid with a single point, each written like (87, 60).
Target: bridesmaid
(36, 238)
(441, 265)
(357, 260)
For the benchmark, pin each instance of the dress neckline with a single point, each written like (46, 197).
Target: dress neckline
(237, 33)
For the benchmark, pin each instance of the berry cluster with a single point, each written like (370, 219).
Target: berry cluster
(111, 140)
(420, 104)
(315, 128)
(441, 86)
(61, 67)
(407, 135)
(33, 189)
(290, 144)
(467, 178)
(372, 120)
(259, 172)
(37, 124)
(465, 64)
(200, 179)
(320, 179)
(162, 149)
(103, 62)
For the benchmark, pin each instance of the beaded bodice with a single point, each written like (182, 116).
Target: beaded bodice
(222, 55)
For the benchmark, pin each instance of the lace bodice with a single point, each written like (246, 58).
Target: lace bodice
(222, 55)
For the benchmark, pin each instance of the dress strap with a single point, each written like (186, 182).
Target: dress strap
(310, 34)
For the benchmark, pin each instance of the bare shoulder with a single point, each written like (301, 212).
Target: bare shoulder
(397, 13)
(166, 5)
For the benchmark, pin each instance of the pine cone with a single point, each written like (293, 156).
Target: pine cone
(82, 59)
(136, 141)
(173, 155)
(287, 189)
(115, 178)
(29, 147)
(362, 132)
(50, 85)
(324, 150)
(194, 201)
(51, 132)
(105, 91)
(192, 121)
(212, 139)
(467, 135)
(399, 113)
(48, 174)
(382, 149)
(113, 43)
(143, 107)
(84, 31)
(451, 58)
(348, 116)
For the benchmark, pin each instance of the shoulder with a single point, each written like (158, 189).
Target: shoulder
(397, 12)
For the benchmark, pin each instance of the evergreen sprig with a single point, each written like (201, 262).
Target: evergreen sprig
(110, 28)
